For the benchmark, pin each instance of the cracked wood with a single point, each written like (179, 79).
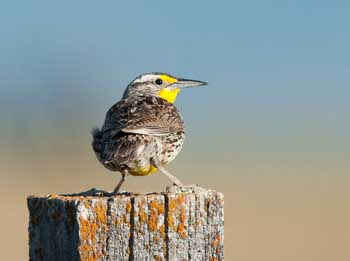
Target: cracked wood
(182, 225)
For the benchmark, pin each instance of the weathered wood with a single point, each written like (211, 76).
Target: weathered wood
(187, 224)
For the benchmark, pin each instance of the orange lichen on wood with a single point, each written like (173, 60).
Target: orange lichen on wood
(155, 239)
(162, 231)
(181, 231)
(173, 206)
(171, 223)
(52, 196)
(152, 222)
(182, 215)
(92, 227)
(155, 205)
(142, 215)
(216, 241)
(126, 220)
(88, 230)
(171, 210)
(86, 203)
(180, 199)
(128, 207)
(87, 234)
(101, 213)
(155, 209)
(181, 228)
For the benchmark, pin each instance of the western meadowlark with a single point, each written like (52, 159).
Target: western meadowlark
(144, 131)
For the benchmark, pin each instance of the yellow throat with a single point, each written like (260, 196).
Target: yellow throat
(169, 95)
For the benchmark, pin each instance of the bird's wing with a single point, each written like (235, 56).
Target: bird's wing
(148, 131)
(144, 115)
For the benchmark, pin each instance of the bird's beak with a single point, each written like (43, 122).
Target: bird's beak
(185, 83)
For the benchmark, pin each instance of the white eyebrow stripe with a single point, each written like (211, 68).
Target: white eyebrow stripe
(145, 78)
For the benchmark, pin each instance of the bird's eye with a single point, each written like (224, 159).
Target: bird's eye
(159, 81)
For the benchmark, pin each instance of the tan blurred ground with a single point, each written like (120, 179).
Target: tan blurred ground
(301, 214)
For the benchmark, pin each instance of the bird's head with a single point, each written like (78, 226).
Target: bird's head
(159, 84)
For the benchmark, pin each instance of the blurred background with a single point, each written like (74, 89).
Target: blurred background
(270, 131)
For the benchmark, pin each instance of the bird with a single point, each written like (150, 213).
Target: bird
(144, 131)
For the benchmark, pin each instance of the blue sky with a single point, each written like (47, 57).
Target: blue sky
(273, 57)
(278, 71)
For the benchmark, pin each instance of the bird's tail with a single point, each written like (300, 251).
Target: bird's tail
(96, 140)
(95, 132)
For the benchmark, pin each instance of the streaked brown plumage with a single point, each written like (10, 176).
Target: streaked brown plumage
(144, 131)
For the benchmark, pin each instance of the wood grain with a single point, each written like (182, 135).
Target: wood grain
(186, 224)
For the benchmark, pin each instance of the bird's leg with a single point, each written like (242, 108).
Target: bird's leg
(124, 174)
(174, 179)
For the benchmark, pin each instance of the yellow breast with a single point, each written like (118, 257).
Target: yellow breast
(143, 171)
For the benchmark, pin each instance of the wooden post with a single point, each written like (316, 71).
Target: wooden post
(181, 225)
